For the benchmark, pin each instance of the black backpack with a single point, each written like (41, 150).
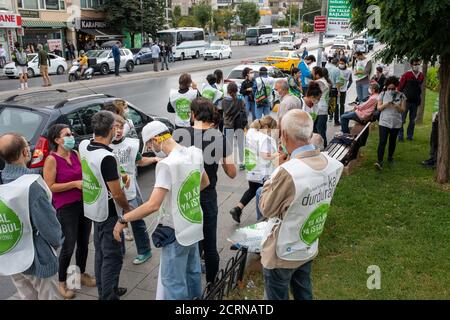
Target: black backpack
(241, 119)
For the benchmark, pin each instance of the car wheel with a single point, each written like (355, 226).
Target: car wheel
(220, 56)
(229, 57)
(205, 58)
(129, 66)
(71, 77)
(197, 55)
(138, 61)
(11, 77)
(30, 73)
(60, 70)
(104, 69)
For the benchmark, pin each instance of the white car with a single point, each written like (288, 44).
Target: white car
(58, 65)
(236, 74)
(287, 43)
(105, 61)
(217, 51)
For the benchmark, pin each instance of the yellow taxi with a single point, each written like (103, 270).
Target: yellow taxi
(284, 59)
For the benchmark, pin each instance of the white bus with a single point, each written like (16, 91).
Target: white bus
(278, 33)
(258, 35)
(187, 42)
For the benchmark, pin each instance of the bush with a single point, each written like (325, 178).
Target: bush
(238, 37)
(432, 78)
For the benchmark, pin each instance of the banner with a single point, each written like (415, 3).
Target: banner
(338, 17)
(54, 44)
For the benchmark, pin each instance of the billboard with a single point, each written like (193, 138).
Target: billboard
(338, 17)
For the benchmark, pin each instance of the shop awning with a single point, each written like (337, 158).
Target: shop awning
(103, 34)
(43, 24)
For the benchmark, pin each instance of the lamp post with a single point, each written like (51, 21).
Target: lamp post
(307, 14)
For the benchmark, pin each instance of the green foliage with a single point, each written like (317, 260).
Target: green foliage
(188, 21)
(202, 13)
(294, 17)
(432, 78)
(282, 22)
(308, 6)
(176, 16)
(248, 13)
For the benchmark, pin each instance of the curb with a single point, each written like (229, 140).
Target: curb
(143, 75)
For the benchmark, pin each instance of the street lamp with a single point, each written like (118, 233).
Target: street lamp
(305, 15)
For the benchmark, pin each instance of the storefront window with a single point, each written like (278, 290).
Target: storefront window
(42, 4)
(28, 4)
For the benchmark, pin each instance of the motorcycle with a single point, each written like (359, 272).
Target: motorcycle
(75, 73)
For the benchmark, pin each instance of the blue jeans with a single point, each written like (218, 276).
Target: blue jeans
(249, 107)
(208, 202)
(345, 119)
(320, 127)
(411, 108)
(261, 110)
(259, 215)
(181, 272)
(278, 281)
(140, 234)
(362, 90)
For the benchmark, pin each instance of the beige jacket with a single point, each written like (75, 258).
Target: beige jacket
(276, 198)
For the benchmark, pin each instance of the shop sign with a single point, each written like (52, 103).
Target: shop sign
(54, 44)
(29, 14)
(10, 20)
(93, 24)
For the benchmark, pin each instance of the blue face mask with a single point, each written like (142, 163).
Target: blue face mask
(69, 143)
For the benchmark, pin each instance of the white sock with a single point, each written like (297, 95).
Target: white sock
(22, 86)
(26, 84)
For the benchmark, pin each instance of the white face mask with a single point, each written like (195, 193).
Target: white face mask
(342, 66)
(159, 154)
(415, 68)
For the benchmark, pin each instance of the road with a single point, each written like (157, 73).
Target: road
(239, 53)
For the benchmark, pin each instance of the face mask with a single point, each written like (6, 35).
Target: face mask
(159, 154)
(69, 143)
(415, 68)
(126, 130)
(342, 66)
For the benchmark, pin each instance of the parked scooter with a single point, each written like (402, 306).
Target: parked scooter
(75, 72)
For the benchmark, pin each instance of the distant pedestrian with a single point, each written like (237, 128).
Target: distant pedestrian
(411, 86)
(305, 53)
(28, 251)
(180, 100)
(155, 56)
(262, 91)
(116, 56)
(391, 104)
(362, 75)
(44, 63)
(379, 77)
(320, 124)
(170, 50)
(71, 51)
(246, 90)
(20, 59)
(2, 56)
(343, 83)
(62, 173)
(164, 56)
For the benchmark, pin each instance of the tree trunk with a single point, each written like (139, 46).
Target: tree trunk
(421, 111)
(132, 39)
(443, 157)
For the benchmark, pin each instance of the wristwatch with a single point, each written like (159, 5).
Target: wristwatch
(122, 220)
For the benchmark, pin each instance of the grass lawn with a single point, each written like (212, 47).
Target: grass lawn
(397, 219)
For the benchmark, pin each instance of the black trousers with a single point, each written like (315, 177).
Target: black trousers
(251, 192)
(108, 259)
(76, 229)
(208, 245)
(340, 108)
(116, 67)
(385, 135)
(434, 140)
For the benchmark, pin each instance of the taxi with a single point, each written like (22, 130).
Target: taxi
(284, 60)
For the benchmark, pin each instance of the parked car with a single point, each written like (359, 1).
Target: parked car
(32, 114)
(370, 42)
(284, 60)
(217, 51)
(58, 65)
(105, 60)
(361, 45)
(287, 42)
(143, 55)
(236, 74)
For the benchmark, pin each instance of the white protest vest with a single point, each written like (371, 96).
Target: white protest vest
(95, 191)
(181, 102)
(16, 231)
(126, 153)
(257, 167)
(303, 223)
(183, 200)
(269, 83)
(312, 111)
(361, 66)
(211, 93)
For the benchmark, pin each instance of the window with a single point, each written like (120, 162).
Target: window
(52, 4)
(42, 4)
(198, 35)
(91, 4)
(75, 123)
(29, 4)
(276, 73)
(135, 117)
(86, 115)
(13, 118)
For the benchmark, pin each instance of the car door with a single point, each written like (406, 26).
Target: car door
(53, 63)
(147, 55)
(110, 61)
(86, 113)
(76, 126)
(123, 58)
(33, 64)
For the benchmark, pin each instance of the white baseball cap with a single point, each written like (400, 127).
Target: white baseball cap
(152, 130)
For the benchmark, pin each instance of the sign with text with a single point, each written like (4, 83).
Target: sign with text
(54, 44)
(320, 23)
(93, 24)
(10, 20)
(338, 17)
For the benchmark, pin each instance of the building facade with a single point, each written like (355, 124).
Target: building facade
(10, 26)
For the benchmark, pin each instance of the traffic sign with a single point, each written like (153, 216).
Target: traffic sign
(320, 23)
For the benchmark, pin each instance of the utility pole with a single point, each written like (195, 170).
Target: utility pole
(290, 15)
(321, 48)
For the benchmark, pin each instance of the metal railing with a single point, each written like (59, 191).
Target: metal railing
(227, 279)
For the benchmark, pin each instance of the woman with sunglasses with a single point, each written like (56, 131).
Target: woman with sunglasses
(62, 173)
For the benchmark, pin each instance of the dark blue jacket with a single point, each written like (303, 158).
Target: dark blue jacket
(116, 52)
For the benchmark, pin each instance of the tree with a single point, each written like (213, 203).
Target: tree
(176, 16)
(228, 18)
(188, 21)
(415, 29)
(309, 6)
(248, 13)
(218, 21)
(202, 13)
(294, 16)
(154, 16)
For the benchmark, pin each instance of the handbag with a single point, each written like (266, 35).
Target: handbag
(261, 95)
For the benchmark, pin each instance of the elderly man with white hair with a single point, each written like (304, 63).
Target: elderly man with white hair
(288, 101)
(296, 199)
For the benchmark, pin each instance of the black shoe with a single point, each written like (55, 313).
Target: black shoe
(121, 291)
(337, 124)
(409, 138)
(379, 166)
(236, 213)
(430, 163)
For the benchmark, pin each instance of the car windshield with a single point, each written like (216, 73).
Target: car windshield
(252, 33)
(279, 54)
(286, 39)
(31, 56)
(13, 118)
(214, 48)
(237, 74)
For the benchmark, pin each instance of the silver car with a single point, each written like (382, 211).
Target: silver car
(105, 61)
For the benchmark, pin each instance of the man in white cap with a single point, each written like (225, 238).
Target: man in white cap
(179, 178)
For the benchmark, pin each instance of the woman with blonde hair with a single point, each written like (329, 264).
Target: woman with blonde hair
(260, 150)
